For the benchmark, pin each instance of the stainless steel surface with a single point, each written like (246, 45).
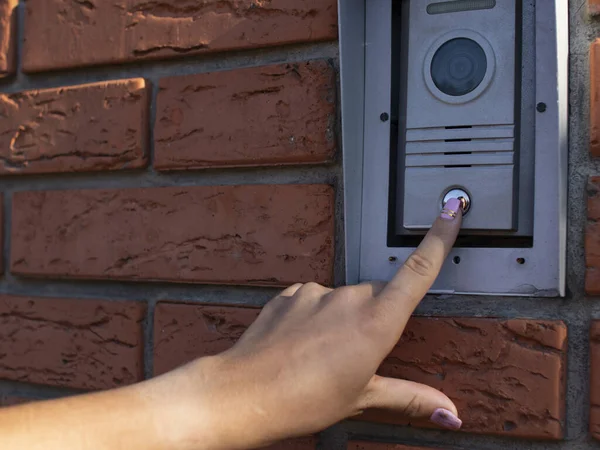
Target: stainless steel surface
(425, 188)
(471, 144)
(352, 77)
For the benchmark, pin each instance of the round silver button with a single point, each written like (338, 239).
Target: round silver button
(462, 195)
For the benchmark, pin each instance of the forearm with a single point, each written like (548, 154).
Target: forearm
(163, 413)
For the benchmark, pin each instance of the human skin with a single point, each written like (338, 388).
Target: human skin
(307, 362)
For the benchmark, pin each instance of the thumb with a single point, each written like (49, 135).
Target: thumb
(412, 401)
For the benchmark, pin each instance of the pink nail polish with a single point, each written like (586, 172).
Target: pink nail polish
(451, 209)
(446, 419)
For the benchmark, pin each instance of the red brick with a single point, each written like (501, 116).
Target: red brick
(593, 7)
(7, 37)
(183, 332)
(76, 343)
(506, 377)
(248, 235)
(592, 238)
(294, 444)
(594, 379)
(354, 445)
(273, 115)
(102, 126)
(99, 32)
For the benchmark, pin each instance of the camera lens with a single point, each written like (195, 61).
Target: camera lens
(458, 67)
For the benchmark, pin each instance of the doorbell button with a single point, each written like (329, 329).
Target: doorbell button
(463, 197)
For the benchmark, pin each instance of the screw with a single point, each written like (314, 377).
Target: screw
(542, 107)
(520, 260)
(392, 259)
(456, 260)
(384, 117)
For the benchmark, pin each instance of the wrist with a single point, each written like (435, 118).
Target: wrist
(184, 413)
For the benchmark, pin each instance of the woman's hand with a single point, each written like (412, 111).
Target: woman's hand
(310, 358)
(307, 362)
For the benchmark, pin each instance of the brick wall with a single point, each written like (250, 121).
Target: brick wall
(166, 167)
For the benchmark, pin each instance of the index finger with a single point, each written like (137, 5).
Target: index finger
(416, 276)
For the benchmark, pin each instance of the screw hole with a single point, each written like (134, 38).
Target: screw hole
(456, 260)
(542, 107)
(392, 259)
(384, 117)
(521, 261)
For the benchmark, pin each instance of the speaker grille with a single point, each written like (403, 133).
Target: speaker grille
(459, 6)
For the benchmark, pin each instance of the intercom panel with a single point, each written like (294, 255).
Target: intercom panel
(460, 98)
(459, 131)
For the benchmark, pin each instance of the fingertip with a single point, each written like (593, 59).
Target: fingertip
(452, 213)
(448, 224)
(413, 400)
(446, 419)
(452, 210)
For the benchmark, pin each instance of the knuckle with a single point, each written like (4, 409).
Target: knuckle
(291, 289)
(347, 294)
(419, 265)
(311, 288)
(414, 407)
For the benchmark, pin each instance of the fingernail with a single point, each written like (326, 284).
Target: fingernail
(450, 210)
(445, 418)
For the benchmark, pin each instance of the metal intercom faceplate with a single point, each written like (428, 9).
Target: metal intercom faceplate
(444, 95)
(459, 127)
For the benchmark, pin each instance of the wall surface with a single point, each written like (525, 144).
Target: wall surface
(165, 169)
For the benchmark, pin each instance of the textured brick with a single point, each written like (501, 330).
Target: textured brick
(76, 343)
(592, 238)
(273, 115)
(248, 235)
(355, 445)
(506, 377)
(294, 444)
(594, 380)
(93, 127)
(128, 30)
(7, 36)
(186, 332)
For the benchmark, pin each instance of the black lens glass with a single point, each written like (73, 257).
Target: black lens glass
(458, 67)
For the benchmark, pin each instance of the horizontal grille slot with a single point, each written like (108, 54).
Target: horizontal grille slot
(445, 133)
(460, 159)
(473, 145)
